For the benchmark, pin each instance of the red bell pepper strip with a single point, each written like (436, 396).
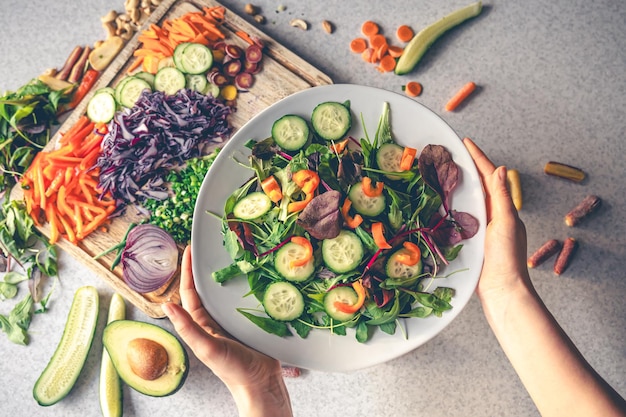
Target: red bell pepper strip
(353, 308)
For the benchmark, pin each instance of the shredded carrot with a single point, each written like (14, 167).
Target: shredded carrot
(358, 45)
(369, 28)
(460, 96)
(408, 156)
(387, 64)
(378, 233)
(404, 33)
(413, 89)
(339, 147)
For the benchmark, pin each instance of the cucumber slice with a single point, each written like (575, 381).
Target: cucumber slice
(283, 301)
(211, 89)
(290, 132)
(178, 55)
(68, 359)
(193, 58)
(344, 295)
(388, 158)
(118, 88)
(420, 43)
(398, 270)
(101, 107)
(365, 205)
(110, 384)
(131, 91)
(252, 206)
(168, 61)
(342, 253)
(109, 90)
(331, 120)
(291, 252)
(146, 76)
(169, 80)
(196, 82)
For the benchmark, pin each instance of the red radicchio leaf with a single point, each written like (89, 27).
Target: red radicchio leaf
(439, 171)
(244, 235)
(450, 232)
(321, 216)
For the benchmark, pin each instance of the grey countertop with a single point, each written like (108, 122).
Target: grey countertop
(552, 86)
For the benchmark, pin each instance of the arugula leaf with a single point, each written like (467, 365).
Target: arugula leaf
(265, 323)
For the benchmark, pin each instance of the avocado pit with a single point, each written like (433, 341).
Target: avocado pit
(147, 358)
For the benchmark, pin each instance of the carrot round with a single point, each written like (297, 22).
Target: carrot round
(377, 41)
(387, 64)
(460, 96)
(395, 51)
(413, 89)
(358, 45)
(369, 28)
(404, 33)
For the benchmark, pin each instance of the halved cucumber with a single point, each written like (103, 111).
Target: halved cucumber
(68, 359)
(398, 270)
(366, 205)
(283, 301)
(345, 295)
(342, 253)
(193, 58)
(131, 90)
(110, 384)
(331, 120)
(291, 252)
(388, 158)
(169, 80)
(252, 206)
(101, 107)
(290, 132)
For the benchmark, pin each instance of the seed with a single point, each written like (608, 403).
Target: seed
(542, 254)
(582, 210)
(564, 171)
(565, 256)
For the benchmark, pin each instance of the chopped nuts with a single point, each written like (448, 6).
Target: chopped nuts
(328, 27)
(299, 23)
(515, 187)
(542, 254)
(259, 18)
(565, 256)
(582, 210)
(250, 9)
(567, 172)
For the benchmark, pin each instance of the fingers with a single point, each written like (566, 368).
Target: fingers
(483, 164)
(501, 202)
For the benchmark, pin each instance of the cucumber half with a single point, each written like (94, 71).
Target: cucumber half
(283, 301)
(110, 388)
(68, 359)
(331, 120)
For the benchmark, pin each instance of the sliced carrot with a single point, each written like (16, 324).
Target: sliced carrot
(376, 41)
(243, 35)
(308, 255)
(358, 45)
(408, 156)
(404, 33)
(395, 51)
(369, 28)
(460, 96)
(368, 190)
(367, 55)
(387, 64)
(378, 233)
(413, 89)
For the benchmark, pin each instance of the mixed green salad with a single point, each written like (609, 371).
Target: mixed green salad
(334, 232)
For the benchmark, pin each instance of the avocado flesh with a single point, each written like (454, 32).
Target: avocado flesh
(116, 338)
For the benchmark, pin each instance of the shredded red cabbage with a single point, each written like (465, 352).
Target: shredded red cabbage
(158, 133)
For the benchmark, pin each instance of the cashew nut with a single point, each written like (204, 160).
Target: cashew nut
(109, 17)
(299, 23)
(109, 27)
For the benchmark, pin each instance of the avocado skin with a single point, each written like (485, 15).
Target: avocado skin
(119, 333)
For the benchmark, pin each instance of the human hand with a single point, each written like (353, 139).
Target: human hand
(254, 379)
(504, 268)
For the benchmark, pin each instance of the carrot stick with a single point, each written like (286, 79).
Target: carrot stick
(408, 156)
(369, 28)
(460, 96)
(404, 33)
(243, 35)
(136, 64)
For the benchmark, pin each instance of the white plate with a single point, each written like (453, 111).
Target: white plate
(412, 125)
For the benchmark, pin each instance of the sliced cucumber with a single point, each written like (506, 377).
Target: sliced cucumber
(291, 252)
(61, 373)
(146, 76)
(283, 301)
(169, 80)
(110, 384)
(193, 58)
(178, 55)
(168, 61)
(109, 90)
(366, 205)
(345, 295)
(388, 158)
(398, 270)
(119, 87)
(252, 206)
(196, 82)
(342, 253)
(331, 120)
(420, 43)
(290, 132)
(131, 91)
(101, 107)
(211, 89)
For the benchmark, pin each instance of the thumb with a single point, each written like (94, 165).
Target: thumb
(501, 201)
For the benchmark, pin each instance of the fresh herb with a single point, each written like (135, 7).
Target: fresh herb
(174, 214)
(26, 117)
(22, 244)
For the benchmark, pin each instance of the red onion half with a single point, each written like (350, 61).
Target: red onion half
(149, 259)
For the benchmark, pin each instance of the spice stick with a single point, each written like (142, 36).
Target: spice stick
(582, 210)
(565, 256)
(542, 254)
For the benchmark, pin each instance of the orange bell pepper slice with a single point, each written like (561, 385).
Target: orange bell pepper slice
(351, 222)
(307, 180)
(370, 191)
(378, 233)
(306, 244)
(408, 156)
(410, 254)
(272, 189)
(353, 308)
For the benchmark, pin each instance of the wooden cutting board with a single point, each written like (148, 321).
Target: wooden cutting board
(283, 74)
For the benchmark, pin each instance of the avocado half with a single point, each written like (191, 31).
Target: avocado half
(120, 337)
